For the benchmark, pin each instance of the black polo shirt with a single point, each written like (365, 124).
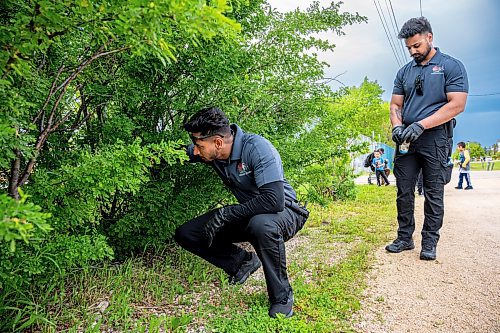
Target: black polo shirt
(441, 75)
(253, 162)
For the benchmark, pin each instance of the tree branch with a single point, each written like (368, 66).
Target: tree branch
(49, 96)
(14, 175)
(49, 128)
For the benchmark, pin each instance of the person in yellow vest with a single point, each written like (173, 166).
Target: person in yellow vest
(464, 165)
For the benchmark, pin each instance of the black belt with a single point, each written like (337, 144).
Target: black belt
(297, 208)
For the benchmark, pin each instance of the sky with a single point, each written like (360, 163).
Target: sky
(464, 29)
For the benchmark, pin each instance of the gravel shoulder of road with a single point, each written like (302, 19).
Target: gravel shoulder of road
(460, 291)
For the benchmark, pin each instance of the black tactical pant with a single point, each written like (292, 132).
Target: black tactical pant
(430, 152)
(381, 174)
(266, 232)
(420, 183)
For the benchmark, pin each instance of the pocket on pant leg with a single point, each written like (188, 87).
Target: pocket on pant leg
(449, 171)
(442, 154)
(300, 223)
(293, 225)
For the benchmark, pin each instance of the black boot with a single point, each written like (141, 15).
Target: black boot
(400, 245)
(284, 307)
(247, 268)
(428, 252)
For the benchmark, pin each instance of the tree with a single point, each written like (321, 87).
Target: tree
(95, 97)
(50, 46)
(60, 63)
(475, 149)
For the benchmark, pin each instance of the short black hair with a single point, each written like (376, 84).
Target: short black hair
(414, 26)
(382, 150)
(207, 121)
(461, 144)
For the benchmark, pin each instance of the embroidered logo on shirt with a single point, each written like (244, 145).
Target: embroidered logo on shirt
(437, 69)
(243, 169)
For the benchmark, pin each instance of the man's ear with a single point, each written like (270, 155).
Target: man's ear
(218, 141)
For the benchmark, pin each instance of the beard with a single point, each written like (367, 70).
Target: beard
(419, 57)
(211, 156)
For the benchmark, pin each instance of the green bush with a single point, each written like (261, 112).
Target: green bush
(173, 195)
(333, 180)
(93, 101)
(78, 197)
(21, 220)
(23, 223)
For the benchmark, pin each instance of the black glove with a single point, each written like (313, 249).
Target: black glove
(397, 134)
(412, 132)
(217, 221)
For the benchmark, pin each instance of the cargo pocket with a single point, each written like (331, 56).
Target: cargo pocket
(443, 155)
(449, 171)
(301, 222)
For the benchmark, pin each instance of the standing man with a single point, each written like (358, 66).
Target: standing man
(428, 93)
(489, 163)
(268, 213)
(464, 165)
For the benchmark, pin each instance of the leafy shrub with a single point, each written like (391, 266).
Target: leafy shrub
(21, 220)
(333, 180)
(78, 197)
(343, 187)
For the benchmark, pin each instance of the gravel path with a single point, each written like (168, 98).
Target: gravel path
(460, 291)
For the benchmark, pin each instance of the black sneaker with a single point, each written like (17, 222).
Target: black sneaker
(428, 252)
(247, 268)
(285, 307)
(400, 245)
(468, 188)
(458, 187)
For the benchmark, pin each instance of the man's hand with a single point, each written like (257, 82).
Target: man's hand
(412, 132)
(397, 134)
(217, 221)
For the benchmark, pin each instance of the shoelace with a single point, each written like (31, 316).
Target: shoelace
(284, 301)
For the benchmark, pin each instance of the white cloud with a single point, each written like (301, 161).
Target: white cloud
(460, 29)
(464, 29)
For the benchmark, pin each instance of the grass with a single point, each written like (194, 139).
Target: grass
(481, 166)
(170, 290)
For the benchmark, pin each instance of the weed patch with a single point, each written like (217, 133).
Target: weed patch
(171, 290)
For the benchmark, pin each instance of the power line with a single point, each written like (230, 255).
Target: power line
(402, 56)
(389, 31)
(387, 34)
(397, 31)
(481, 95)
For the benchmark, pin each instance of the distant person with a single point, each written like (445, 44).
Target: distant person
(267, 213)
(386, 161)
(428, 93)
(489, 163)
(378, 164)
(464, 167)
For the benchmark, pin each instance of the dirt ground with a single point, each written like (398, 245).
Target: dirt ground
(460, 291)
